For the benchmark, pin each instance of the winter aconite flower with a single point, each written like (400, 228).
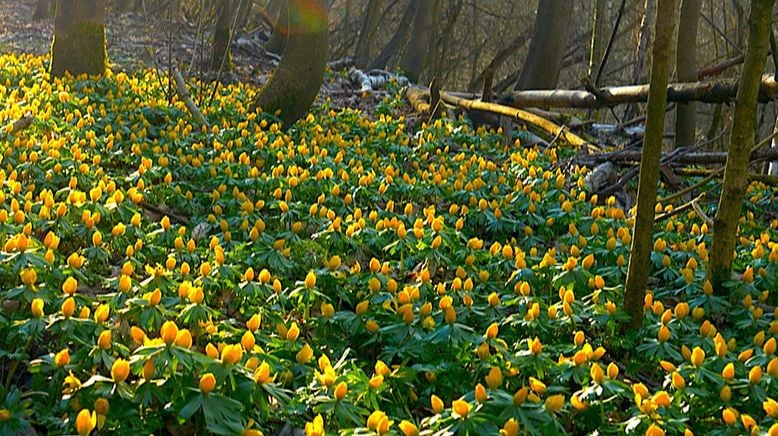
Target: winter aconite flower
(85, 422)
(207, 383)
(120, 370)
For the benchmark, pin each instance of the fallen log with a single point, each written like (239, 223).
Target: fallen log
(722, 91)
(20, 124)
(694, 158)
(767, 179)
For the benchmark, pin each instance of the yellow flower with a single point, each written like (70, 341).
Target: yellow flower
(254, 322)
(437, 404)
(327, 310)
(310, 280)
(480, 393)
(69, 286)
(207, 383)
(554, 403)
(340, 390)
(755, 375)
(248, 341)
(537, 386)
(728, 373)
(655, 430)
(168, 332)
(184, 339)
(492, 331)
(494, 378)
(293, 332)
(697, 357)
(304, 355)
(29, 277)
(37, 307)
(62, 358)
(664, 334)
(231, 354)
(729, 416)
(102, 312)
(381, 368)
(148, 369)
(120, 370)
(262, 374)
(520, 396)
(125, 283)
(408, 428)
(68, 307)
(85, 422)
(376, 381)
(678, 381)
(104, 340)
(379, 422)
(461, 408)
(770, 407)
(315, 427)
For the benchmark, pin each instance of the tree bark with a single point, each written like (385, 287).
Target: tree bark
(79, 38)
(367, 33)
(643, 231)
(418, 48)
(221, 59)
(295, 83)
(547, 48)
(686, 70)
(741, 140)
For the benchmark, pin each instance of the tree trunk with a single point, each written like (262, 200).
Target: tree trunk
(277, 42)
(413, 61)
(299, 75)
(741, 140)
(221, 59)
(643, 231)
(772, 167)
(42, 10)
(547, 48)
(398, 39)
(640, 52)
(366, 34)
(686, 70)
(79, 38)
(597, 46)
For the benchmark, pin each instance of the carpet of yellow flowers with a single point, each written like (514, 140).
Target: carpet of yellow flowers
(350, 275)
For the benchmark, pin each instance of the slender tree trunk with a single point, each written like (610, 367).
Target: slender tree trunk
(413, 62)
(597, 46)
(741, 140)
(640, 52)
(398, 38)
(296, 81)
(547, 48)
(79, 38)
(277, 42)
(367, 33)
(772, 167)
(221, 59)
(686, 70)
(643, 231)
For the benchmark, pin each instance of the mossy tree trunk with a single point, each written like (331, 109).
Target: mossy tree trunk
(277, 42)
(643, 231)
(686, 70)
(221, 58)
(79, 38)
(733, 191)
(299, 75)
(547, 48)
(418, 48)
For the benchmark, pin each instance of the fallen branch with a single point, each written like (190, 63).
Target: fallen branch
(20, 124)
(763, 178)
(190, 105)
(695, 158)
(679, 209)
(531, 120)
(708, 92)
(169, 213)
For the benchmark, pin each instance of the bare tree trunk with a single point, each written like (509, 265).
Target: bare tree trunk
(772, 167)
(79, 38)
(597, 46)
(741, 140)
(398, 39)
(643, 231)
(640, 52)
(299, 75)
(547, 48)
(686, 70)
(367, 33)
(221, 58)
(413, 62)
